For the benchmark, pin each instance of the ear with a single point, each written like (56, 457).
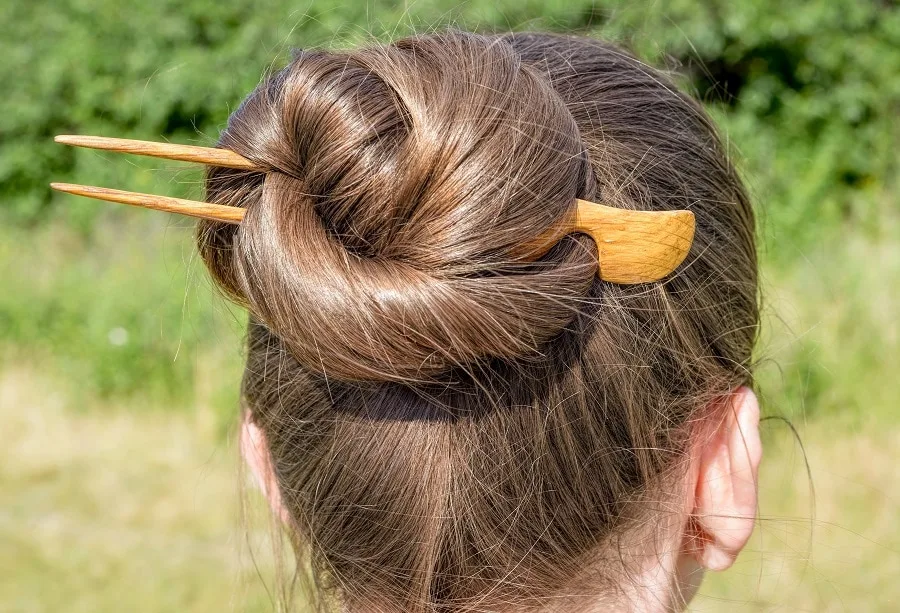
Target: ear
(726, 493)
(255, 449)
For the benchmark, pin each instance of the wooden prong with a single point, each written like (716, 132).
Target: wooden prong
(636, 246)
(184, 153)
(192, 208)
(633, 246)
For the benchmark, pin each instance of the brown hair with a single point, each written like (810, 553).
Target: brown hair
(453, 428)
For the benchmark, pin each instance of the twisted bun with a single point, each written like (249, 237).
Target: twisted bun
(402, 182)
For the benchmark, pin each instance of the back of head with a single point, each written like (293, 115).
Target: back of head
(454, 426)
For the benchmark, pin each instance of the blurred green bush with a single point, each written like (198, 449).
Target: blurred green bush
(810, 90)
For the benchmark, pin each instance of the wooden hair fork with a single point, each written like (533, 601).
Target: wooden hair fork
(633, 246)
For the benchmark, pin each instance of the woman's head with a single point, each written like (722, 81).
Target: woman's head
(450, 426)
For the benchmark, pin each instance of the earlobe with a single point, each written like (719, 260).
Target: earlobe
(726, 493)
(255, 450)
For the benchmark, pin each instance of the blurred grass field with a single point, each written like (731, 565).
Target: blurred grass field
(119, 366)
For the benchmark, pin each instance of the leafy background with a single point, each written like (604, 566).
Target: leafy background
(119, 365)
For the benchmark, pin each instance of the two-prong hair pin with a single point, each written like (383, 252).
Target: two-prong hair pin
(633, 246)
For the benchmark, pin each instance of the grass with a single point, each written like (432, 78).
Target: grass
(836, 551)
(114, 510)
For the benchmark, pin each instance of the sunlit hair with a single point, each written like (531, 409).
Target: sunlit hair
(452, 428)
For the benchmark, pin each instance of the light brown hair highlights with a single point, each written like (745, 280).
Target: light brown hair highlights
(454, 428)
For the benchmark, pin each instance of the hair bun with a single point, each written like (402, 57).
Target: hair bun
(381, 244)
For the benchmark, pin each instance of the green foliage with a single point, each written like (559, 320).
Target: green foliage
(121, 318)
(831, 341)
(806, 93)
(811, 88)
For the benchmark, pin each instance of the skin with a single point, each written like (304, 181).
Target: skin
(718, 510)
